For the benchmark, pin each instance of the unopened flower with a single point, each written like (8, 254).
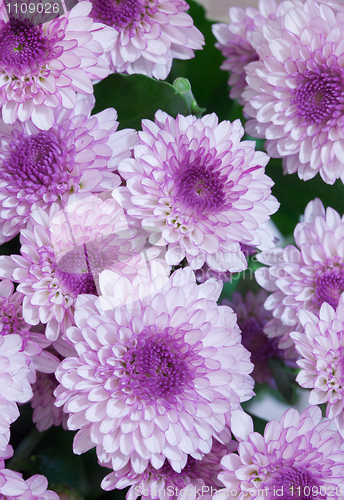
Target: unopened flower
(199, 189)
(297, 457)
(233, 40)
(150, 34)
(295, 92)
(321, 345)
(304, 278)
(159, 374)
(78, 154)
(42, 67)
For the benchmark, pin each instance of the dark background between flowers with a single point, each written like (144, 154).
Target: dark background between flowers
(136, 97)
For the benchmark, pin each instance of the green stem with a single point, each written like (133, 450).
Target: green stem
(183, 86)
(25, 448)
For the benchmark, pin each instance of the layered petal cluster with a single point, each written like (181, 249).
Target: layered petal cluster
(42, 67)
(45, 413)
(197, 479)
(199, 190)
(159, 372)
(17, 373)
(305, 276)
(149, 34)
(16, 488)
(63, 252)
(233, 40)
(297, 457)
(252, 318)
(78, 154)
(321, 346)
(295, 92)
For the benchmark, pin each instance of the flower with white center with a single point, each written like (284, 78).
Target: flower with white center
(306, 276)
(297, 457)
(156, 378)
(78, 154)
(295, 92)
(150, 34)
(42, 67)
(202, 190)
(321, 345)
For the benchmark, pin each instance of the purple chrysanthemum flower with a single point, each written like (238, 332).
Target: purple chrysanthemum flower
(63, 252)
(252, 318)
(150, 33)
(297, 458)
(295, 92)
(156, 378)
(166, 483)
(42, 67)
(304, 278)
(321, 346)
(234, 42)
(204, 192)
(79, 154)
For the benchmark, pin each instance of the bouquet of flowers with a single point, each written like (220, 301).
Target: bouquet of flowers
(170, 253)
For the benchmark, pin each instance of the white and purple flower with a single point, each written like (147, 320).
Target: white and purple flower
(78, 154)
(149, 34)
(159, 372)
(297, 457)
(321, 345)
(233, 40)
(63, 252)
(295, 92)
(43, 67)
(306, 276)
(200, 189)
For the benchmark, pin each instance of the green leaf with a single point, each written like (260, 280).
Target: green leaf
(285, 381)
(136, 97)
(208, 81)
(294, 194)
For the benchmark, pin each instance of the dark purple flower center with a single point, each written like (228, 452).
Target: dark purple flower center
(328, 287)
(36, 165)
(120, 13)
(76, 271)
(200, 189)
(22, 45)
(257, 342)
(296, 484)
(157, 366)
(320, 95)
